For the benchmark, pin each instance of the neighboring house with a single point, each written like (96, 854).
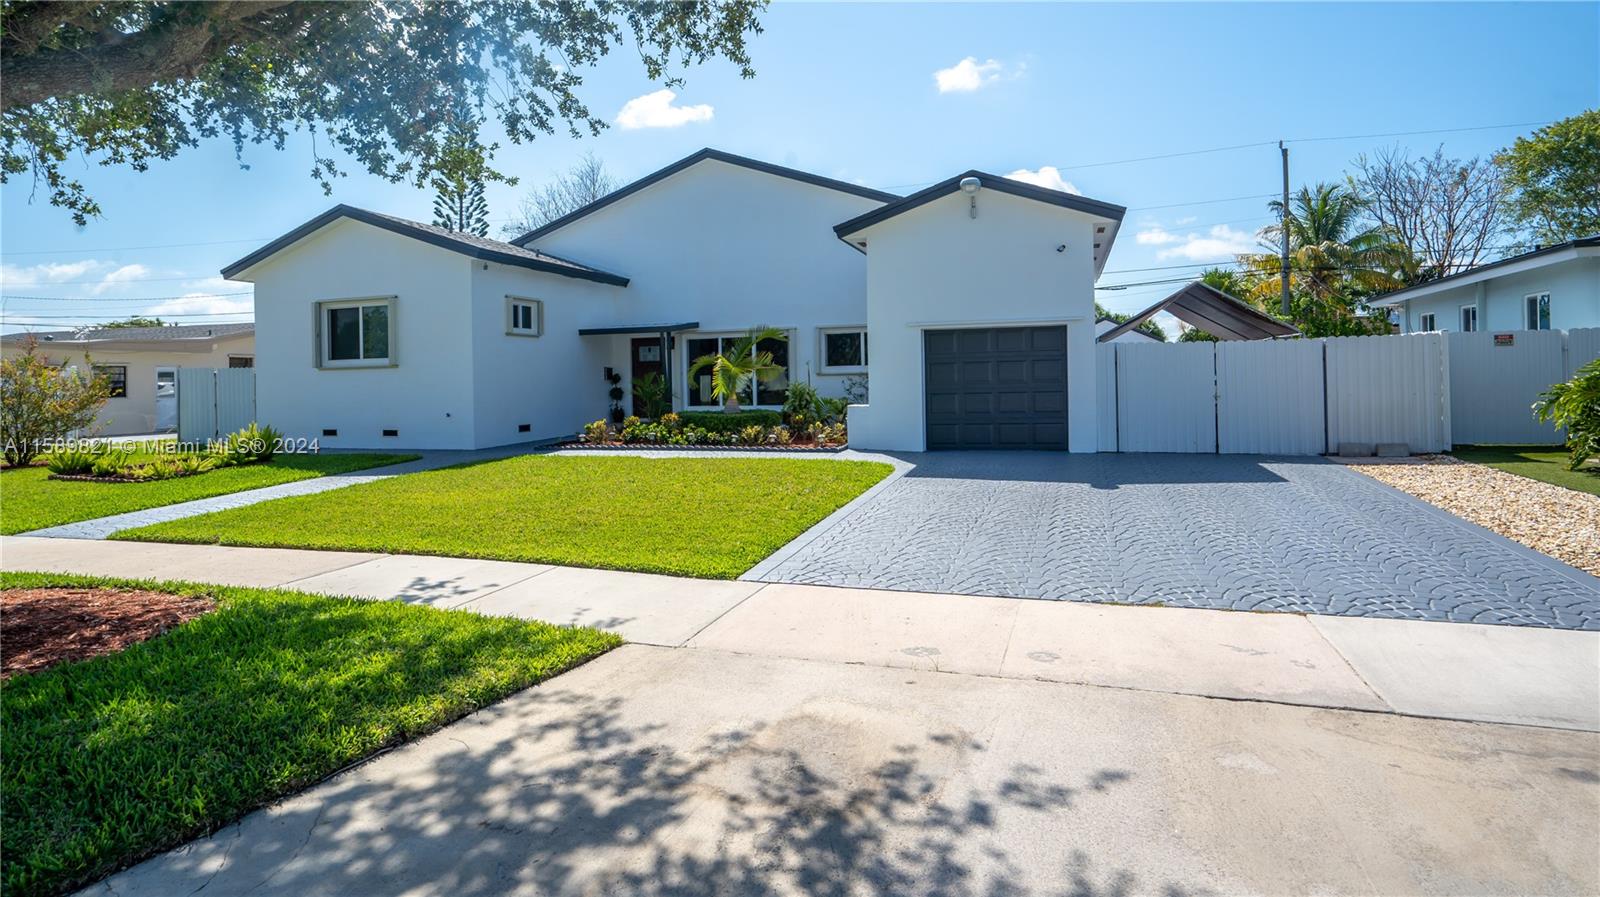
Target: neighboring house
(1207, 308)
(141, 364)
(978, 294)
(1551, 288)
(1102, 326)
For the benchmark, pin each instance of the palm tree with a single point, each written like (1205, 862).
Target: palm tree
(1330, 249)
(732, 370)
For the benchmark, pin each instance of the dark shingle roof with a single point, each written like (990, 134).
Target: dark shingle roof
(135, 334)
(466, 244)
(1581, 242)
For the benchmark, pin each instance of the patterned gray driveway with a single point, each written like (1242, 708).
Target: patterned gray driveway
(1214, 531)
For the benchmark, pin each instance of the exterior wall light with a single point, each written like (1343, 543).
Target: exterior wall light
(971, 186)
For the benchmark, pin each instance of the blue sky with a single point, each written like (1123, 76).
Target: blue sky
(853, 92)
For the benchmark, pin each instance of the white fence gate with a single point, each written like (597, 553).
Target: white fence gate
(1270, 398)
(214, 402)
(1494, 380)
(1166, 397)
(1389, 389)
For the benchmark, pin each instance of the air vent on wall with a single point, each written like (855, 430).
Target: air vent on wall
(524, 428)
(330, 432)
(391, 432)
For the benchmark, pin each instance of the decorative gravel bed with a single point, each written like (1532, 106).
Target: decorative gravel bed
(1562, 523)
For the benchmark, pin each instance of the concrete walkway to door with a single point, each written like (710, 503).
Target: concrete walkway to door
(1237, 532)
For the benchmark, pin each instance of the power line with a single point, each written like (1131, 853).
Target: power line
(130, 248)
(188, 297)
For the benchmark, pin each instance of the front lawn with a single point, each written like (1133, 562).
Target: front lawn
(707, 517)
(29, 500)
(1547, 463)
(110, 760)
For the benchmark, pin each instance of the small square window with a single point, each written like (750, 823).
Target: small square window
(844, 349)
(525, 317)
(116, 376)
(1539, 311)
(1429, 322)
(1469, 318)
(356, 333)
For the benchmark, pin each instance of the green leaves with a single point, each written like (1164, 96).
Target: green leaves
(1575, 406)
(1554, 178)
(128, 82)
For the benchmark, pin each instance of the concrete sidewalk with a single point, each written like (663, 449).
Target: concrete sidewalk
(1450, 670)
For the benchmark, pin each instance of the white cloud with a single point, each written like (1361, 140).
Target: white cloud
(968, 75)
(655, 110)
(1048, 177)
(191, 304)
(1217, 244)
(1186, 220)
(121, 276)
(24, 276)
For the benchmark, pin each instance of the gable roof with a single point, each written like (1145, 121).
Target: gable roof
(467, 244)
(180, 332)
(794, 174)
(1472, 275)
(944, 188)
(1210, 309)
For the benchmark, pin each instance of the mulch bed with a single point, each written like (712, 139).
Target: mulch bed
(657, 447)
(40, 628)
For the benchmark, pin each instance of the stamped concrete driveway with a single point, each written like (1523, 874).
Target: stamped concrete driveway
(1239, 532)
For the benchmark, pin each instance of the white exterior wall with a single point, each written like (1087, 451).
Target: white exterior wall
(1574, 288)
(935, 266)
(731, 248)
(551, 382)
(135, 413)
(427, 392)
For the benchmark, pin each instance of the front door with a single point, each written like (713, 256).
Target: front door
(166, 399)
(646, 360)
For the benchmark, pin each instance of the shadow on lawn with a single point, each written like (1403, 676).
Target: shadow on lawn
(569, 799)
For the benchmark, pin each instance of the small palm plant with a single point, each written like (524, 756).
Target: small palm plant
(1575, 406)
(732, 371)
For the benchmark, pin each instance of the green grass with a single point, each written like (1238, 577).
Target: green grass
(29, 500)
(1547, 463)
(109, 760)
(706, 517)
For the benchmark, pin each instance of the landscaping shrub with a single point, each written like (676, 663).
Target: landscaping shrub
(802, 405)
(651, 391)
(753, 435)
(70, 462)
(1575, 405)
(721, 422)
(833, 410)
(44, 403)
(111, 463)
(253, 443)
(596, 431)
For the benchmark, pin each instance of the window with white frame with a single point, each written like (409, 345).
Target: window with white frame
(1469, 318)
(756, 393)
(843, 350)
(1429, 322)
(357, 332)
(1539, 311)
(524, 317)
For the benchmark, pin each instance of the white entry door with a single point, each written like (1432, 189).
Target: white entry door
(166, 399)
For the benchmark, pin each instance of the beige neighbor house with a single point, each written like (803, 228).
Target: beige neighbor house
(142, 365)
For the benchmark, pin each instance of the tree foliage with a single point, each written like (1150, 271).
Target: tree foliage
(1554, 179)
(1444, 211)
(1575, 405)
(1147, 326)
(732, 371)
(41, 403)
(567, 192)
(458, 201)
(128, 82)
(136, 321)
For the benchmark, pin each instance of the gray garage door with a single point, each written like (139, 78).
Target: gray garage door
(1003, 387)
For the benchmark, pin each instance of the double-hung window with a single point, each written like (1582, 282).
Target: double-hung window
(1469, 318)
(1429, 322)
(356, 333)
(116, 377)
(771, 393)
(524, 317)
(1538, 306)
(844, 350)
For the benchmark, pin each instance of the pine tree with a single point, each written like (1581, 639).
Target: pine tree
(458, 205)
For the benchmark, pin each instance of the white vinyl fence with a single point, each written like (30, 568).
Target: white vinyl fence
(1304, 397)
(214, 402)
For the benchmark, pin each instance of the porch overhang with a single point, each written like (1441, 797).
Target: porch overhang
(638, 328)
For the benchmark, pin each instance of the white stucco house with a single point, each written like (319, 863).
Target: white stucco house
(1551, 288)
(141, 365)
(969, 306)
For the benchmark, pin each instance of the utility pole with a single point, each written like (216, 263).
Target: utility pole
(1283, 259)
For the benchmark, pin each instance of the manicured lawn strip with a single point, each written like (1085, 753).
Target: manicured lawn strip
(707, 517)
(29, 500)
(1547, 463)
(110, 760)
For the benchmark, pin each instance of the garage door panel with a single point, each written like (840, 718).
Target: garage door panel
(997, 387)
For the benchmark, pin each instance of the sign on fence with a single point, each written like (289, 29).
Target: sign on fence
(214, 402)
